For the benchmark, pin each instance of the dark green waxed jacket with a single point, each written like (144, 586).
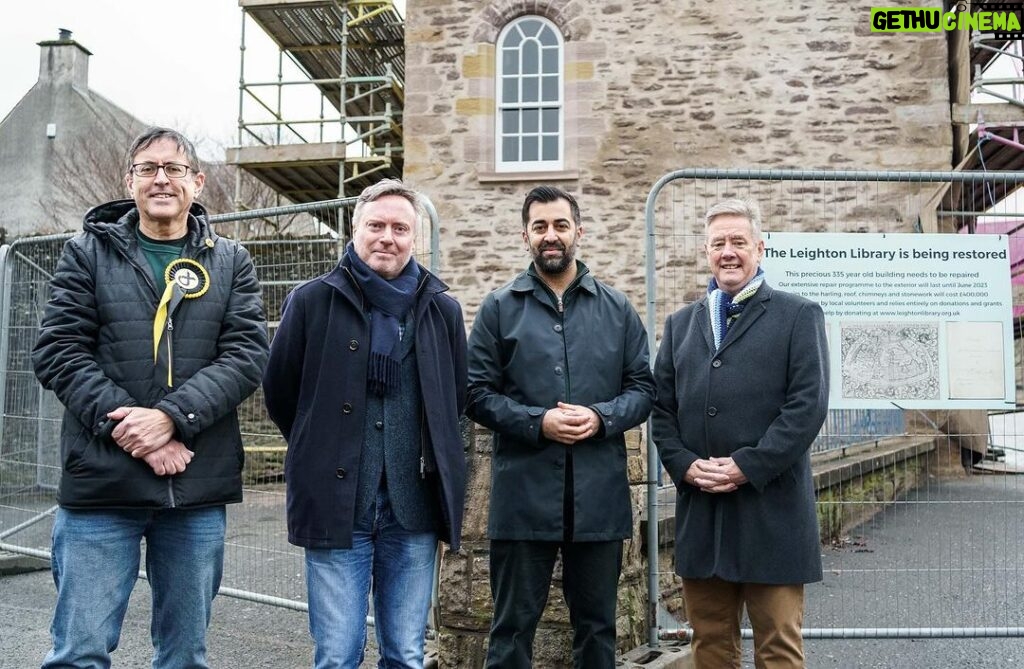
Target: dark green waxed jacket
(525, 356)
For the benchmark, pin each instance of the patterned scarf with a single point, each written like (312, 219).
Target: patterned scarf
(389, 301)
(727, 308)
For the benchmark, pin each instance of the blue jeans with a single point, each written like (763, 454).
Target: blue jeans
(95, 565)
(401, 567)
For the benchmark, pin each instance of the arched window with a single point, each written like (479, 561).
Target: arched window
(530, 109)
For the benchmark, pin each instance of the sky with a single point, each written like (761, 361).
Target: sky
(167, 63)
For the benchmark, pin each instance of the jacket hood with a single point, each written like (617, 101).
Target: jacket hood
(120, 218)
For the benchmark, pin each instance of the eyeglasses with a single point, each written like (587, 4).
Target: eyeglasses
(172, 170)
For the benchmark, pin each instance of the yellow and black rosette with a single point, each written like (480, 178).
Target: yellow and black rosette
(189, 275)
(186, 279)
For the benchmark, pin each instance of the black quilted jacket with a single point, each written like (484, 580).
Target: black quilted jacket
(95, 352)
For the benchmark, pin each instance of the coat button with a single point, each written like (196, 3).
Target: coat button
(346, 408)
(712, 411)
(716, 363)
(558, 371)
(379, 425)
(191, 417)
(558, 327)
(340, 472)
(353, 345)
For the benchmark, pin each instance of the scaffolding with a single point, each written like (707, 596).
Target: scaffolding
(987, 112)
(345, 61)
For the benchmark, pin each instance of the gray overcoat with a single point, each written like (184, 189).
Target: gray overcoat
(761, 399)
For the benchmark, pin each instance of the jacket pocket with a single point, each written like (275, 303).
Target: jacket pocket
(298, 428)
(74, 456)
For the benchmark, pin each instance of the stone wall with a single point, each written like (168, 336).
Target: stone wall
(650, 88)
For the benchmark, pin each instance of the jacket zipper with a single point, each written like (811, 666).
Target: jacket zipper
(170, 372)
(170, 363)
(170, 352)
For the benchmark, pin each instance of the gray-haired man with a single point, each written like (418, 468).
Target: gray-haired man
(742, 380)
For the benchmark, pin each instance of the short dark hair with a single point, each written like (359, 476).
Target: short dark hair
(156, 133)
(549, 194)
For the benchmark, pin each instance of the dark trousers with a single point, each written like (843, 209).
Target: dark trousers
(520, 579)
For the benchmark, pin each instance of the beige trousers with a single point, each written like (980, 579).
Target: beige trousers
(714, 608)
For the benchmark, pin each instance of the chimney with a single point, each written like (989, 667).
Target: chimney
(64, 61)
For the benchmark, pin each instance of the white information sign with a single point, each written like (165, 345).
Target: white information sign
(914, 321)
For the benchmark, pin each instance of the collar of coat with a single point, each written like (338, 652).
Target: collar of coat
(340, 278)
(756, 306)
(529, 280)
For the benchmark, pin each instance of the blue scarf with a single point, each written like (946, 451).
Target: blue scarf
(390, 301)
(725, 308)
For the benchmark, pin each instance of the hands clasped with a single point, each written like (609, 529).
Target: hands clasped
(149, 434)
(715, 475)
(569, 423)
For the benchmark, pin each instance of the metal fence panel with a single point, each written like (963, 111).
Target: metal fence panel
(946, 556)
(29, 451)
(289, 245)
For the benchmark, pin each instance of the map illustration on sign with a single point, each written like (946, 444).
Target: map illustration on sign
(888, 360)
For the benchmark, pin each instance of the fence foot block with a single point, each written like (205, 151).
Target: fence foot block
(662, 657)
(12, 563)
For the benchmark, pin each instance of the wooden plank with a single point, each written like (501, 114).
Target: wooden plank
(991, 113)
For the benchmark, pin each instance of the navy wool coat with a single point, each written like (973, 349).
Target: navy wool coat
(761, 399)
(315, 390)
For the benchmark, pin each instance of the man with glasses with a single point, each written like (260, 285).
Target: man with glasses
(154, 333)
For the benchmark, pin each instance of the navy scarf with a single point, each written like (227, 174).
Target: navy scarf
(390, 301)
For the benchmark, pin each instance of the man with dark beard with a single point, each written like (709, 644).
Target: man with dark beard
(558, 369)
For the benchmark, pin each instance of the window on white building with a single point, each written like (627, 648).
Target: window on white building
(530, 106)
